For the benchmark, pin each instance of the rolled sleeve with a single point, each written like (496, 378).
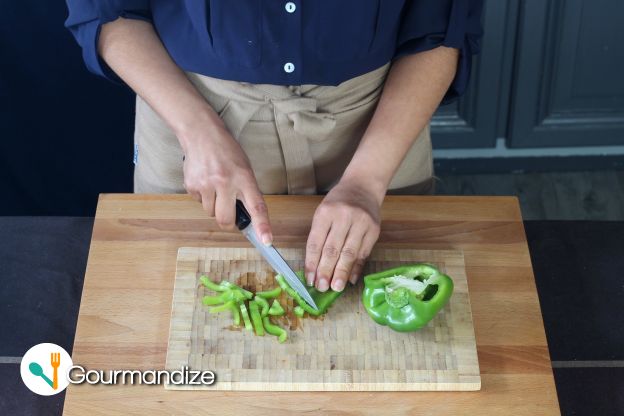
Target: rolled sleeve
(427, 24)
(86, 19)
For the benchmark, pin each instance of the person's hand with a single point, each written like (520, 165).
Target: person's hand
(217, 172)
(344, 230)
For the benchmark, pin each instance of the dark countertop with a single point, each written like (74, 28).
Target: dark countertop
(579, 272)
(579, 268)
(42, 264)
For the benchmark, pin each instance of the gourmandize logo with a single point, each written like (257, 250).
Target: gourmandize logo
(55, 361)
(47, 369)
(44, 369)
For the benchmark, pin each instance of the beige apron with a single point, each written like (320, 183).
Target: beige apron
(299, 139)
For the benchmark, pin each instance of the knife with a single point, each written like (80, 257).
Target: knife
(270, 254)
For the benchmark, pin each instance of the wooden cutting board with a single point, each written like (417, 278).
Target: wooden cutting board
(343, 350)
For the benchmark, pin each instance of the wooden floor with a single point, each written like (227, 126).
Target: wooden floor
(596, 195)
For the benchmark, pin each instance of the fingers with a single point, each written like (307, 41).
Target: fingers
(254, 202)
(340, 240)
(192, 192)
(368, 242)
(225, 210)
(358, 266)
(314, 246)
(208, 201)
(331, 252)
(218, 199)
(348, 257)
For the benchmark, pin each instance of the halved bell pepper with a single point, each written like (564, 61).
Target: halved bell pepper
(406, 298)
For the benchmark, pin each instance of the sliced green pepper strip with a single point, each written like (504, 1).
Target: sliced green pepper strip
(270, 294)
(239, 296)
(212, 300)
(217, 287)
(264, 304)
(276, 309)
(406, 298)
(234, 294)
(231, 306)
(246, 319)
(275, 330)
(323, 300)
(284, 285)
(228, 295)
(293, 294)
(299, 311)
(221, 308)
(256, 319)
(229, 285)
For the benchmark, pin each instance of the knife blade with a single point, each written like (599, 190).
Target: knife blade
(270, 253)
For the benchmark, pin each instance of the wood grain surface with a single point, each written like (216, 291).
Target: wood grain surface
(344, 350)
(126, 306)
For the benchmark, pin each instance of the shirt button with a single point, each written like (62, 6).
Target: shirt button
(290, 7)
(289, 67)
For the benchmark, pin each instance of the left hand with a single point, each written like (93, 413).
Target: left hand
(344, 230)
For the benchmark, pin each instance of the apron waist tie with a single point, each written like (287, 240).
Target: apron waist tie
(296, 119)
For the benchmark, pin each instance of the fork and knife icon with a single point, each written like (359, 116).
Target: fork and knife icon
(55, 362)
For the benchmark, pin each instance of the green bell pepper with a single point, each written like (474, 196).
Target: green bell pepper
(406, 298)
(235, 288)
(269, 294)
(263, 304)
(212, 300)
(299, 312)
(246, 319)
(217, 287)
(276, 309)
(256, 318)
(228, 295)
(323, 300)
(232, 306)
(275, 330)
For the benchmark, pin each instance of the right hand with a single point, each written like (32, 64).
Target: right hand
(217, 172)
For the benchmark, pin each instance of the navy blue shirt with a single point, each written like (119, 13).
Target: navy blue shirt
(293, 42)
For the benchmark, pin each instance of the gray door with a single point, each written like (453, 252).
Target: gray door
(472, 121)
(551, 73)
(569, 81)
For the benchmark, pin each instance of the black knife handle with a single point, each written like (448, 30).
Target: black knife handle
(242, 216)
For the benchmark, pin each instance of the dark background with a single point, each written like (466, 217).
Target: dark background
(546, 93)
(65, 134)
